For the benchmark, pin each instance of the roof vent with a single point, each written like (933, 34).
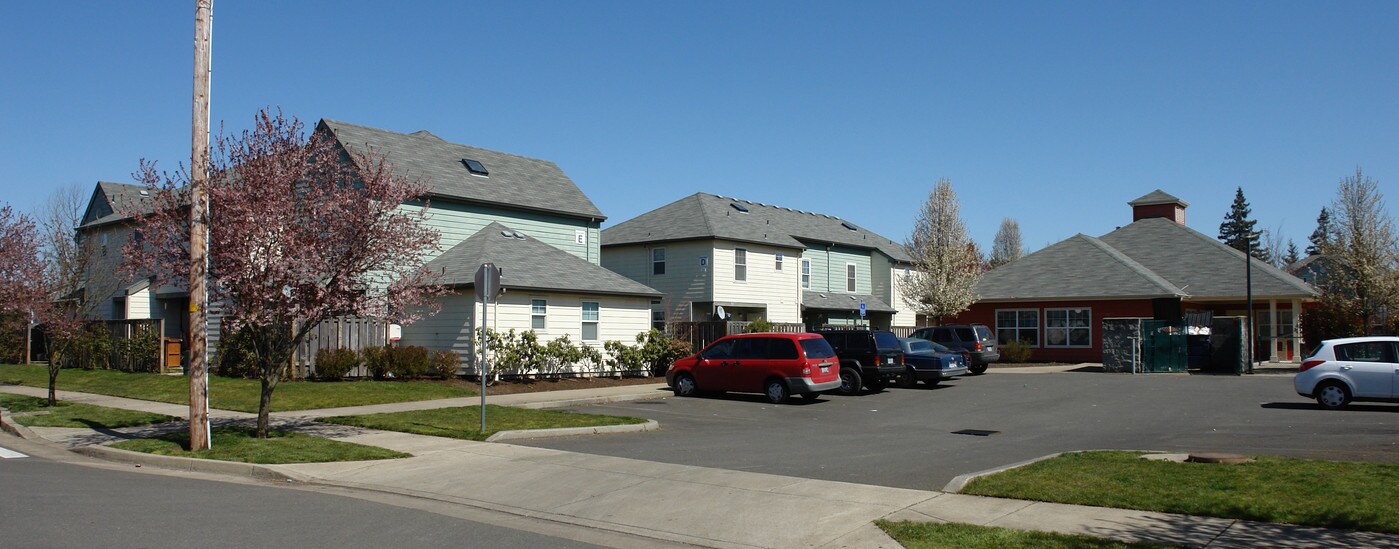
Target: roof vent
(507, 234)
(475, 167)
(145, 192)
(848, 226)
(739, 207)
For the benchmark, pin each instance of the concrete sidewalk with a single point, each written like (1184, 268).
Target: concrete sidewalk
(709, 507)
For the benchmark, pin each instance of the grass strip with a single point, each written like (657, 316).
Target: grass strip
(238, 444)
(233, 394)
(73, 414)
(1331, 494)
(465, 422)
(928, 535)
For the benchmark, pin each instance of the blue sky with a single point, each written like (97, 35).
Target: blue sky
(1053, 114)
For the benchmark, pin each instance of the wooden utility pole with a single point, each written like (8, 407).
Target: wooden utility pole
(199, 231)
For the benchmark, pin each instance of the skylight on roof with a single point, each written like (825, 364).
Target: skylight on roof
(848, 226)
(739, 207)
(475, 167)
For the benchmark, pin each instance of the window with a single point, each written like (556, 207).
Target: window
(806, 274)
(778, 260)
(1366, 351)
(104, 244)
(538, 310)
(781, 349)
(475, 167)
(658, 261)
(590, 319)
(658, 320)
(850, 277)
(740, 264)
(1018, 325)
(1068, 328)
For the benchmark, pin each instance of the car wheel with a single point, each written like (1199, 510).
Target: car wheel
(977, 369)
(685, 385)
(907, 380)
(877, 385)
(849, 381)
(776, 391)
(1332, 395)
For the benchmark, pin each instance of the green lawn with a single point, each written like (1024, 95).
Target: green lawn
(233, 394)
(927, 535)
(72, 414)
(241, 445)
(1333, 494)
(465, 422)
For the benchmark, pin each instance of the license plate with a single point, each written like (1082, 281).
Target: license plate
(888, 360)
(825, 369)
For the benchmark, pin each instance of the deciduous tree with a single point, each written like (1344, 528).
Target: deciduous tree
(22, 291)
(300, 231)
(1006, 247)
(946, 262)
(1361, 253)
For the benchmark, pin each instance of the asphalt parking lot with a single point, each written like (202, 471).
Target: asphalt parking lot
(905, 437)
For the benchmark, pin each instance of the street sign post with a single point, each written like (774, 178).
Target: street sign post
(862, 309)
(487, 289)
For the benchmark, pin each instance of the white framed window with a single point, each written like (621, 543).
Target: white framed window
(777, 261)
(850, 278)
(740, 264)
(1018, 325)
(538, 314)
(658, 320)
(806, 274)
(658, 261)
(590, 320)
(1068, 327)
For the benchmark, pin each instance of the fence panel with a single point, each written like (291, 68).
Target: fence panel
(340, 333)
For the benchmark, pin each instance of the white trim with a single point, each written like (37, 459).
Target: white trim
(1039, 325)
(852, 277)
(596, 321)
(744, 264)
(544, 317)
(805, 275)
(1067, 329)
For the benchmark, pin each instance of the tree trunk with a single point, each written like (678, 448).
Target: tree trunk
(264, 405)
(53, 383)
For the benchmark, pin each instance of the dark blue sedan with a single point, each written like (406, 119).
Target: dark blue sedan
(929, 362)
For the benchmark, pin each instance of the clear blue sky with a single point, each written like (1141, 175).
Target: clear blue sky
(1052, 113)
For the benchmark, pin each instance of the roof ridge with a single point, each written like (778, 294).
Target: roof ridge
(1133, 265)
(434, 138)
(704, 215)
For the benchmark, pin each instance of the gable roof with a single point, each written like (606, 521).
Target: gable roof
(1202, 266)
(830, 301)
(704, 216)
(1079, 267)
(112, 202)
(1151, 258)
(512, 181)
(530, 264)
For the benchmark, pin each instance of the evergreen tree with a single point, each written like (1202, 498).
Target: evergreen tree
(1237, 229)
(1292, 257)
(1321, 234)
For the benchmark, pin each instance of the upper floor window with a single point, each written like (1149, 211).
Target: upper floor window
(658, 261)
(740, 264)
(806, 274)
(850, 277)
(777, 259)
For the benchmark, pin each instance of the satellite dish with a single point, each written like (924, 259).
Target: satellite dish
(720, 311)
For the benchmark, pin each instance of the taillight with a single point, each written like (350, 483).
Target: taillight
(806, 371)
(1311, 364)
(978, 346)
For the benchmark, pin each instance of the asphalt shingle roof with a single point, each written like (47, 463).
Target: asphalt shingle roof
(703, 216)
(513, 180)
(844, 302)
(1157, 196)
(1153, 257)
(530, 264)
(115, 202)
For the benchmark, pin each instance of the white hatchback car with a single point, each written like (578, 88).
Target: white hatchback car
(1356, 368)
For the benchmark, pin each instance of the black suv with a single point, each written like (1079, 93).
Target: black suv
(976, 339)
(870, 358)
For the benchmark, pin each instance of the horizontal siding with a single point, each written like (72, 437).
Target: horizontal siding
(764, 283)
(448, 330)
(908, 313)
(828, 269)
(457, 222)
(685, 281)
(138, 305)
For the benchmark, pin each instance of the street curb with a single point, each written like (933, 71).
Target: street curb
(249, 470)
(8, 425)
(523, 434)
(959, 482)
(589, 401)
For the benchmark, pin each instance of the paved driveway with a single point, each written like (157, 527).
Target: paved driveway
(904, 437)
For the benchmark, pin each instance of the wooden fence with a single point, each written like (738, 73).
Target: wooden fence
(701, 334)
(341, 333)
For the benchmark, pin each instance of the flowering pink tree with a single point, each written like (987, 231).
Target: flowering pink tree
(22, 290)
(300, 231)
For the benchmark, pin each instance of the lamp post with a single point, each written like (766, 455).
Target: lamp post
(1248, 290)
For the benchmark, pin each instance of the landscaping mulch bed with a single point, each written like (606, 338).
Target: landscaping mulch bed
(513, 386)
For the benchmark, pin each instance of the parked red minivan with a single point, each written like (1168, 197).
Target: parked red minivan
(777, 365)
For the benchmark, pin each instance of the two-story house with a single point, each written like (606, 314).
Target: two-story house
(113, 294)
(718, 258)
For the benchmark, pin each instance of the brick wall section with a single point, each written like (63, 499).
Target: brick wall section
(1172, 212)
(985, 313)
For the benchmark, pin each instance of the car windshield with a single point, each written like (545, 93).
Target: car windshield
(984, 333)
(887, 341)
(917, 345)
(817, 348)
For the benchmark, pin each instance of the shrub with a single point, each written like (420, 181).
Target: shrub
(409, 362)
(654, 352)
(1015, 351)
(236, 357)
(376, 360)
(443, 364)
(333, 364)
(760, 325)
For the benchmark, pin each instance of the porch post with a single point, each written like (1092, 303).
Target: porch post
(1273, 330)
(1298, 348)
